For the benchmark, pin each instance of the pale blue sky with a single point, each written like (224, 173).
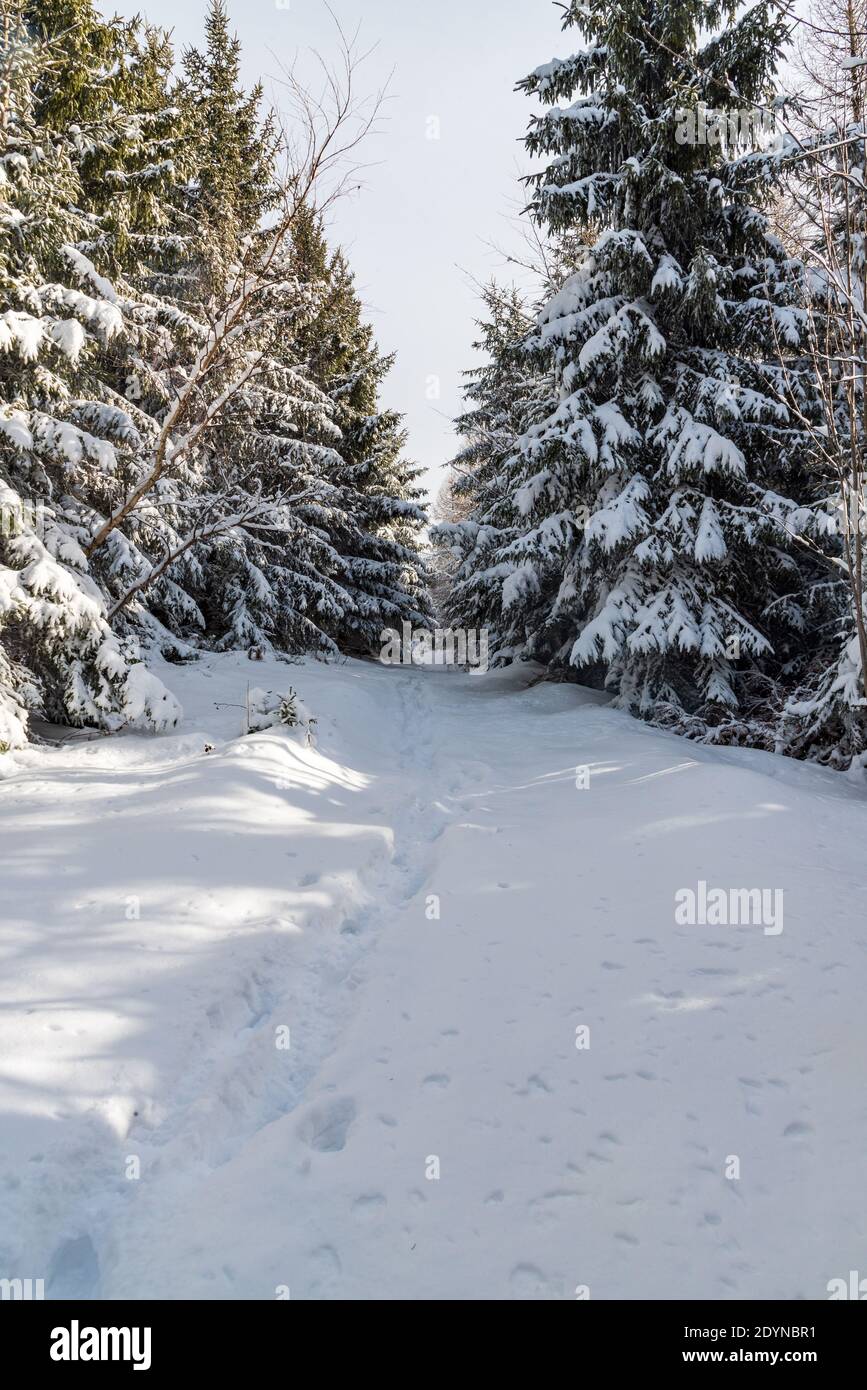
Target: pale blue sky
(420, 225)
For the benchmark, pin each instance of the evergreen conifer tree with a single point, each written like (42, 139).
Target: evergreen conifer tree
(60, 441)
(656, 500)
(377, 516)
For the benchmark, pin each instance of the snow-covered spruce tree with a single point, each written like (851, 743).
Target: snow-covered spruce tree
(275, 578)
(110, 88)
(206, 537)
(826, 716)
(376, 514)
(215, 534)
(656, 501)
(378, 543)
(447, 509)
(269, 577)
(505, 395)
(135, 163)
(233, 148)
(89, 60)
(58, 439)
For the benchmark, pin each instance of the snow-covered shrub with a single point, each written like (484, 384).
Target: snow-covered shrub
(266, 709)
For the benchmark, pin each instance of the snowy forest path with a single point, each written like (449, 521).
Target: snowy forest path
(271, 937)
(410, 1014)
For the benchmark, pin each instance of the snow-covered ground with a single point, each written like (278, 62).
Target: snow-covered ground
(435, 907)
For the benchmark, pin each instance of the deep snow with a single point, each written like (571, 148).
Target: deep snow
(284, 886)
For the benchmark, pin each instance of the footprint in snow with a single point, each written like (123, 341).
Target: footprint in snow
(797, 1129)
(529, 1282)
(325, 1128)
(366, 1207)
(535, 1083)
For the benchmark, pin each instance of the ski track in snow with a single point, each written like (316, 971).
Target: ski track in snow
(282, 886)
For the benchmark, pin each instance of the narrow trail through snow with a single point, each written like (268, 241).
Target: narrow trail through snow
(432, 908)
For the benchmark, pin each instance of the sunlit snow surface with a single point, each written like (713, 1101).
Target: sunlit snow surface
(167, 914)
